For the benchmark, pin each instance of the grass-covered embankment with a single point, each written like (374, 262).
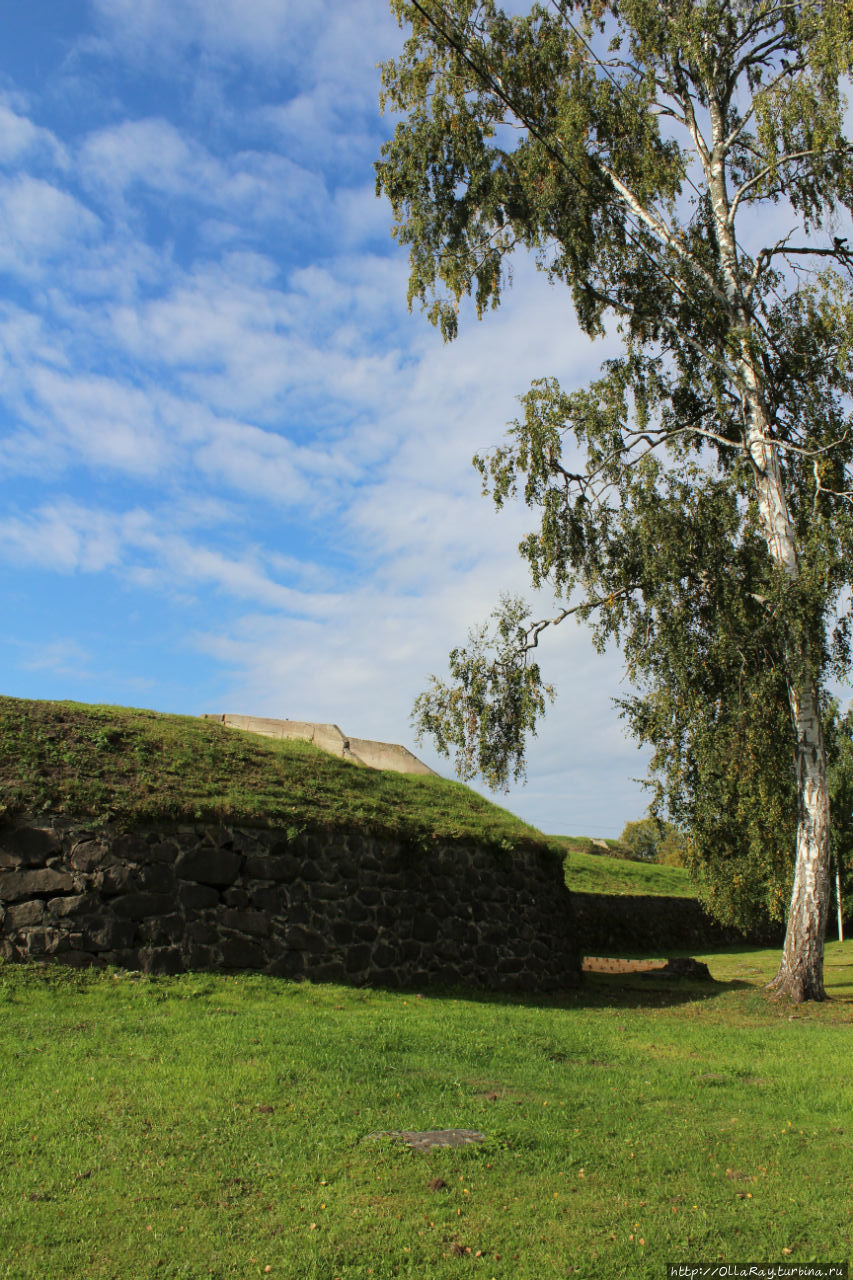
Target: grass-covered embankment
(215, 1126)
(598, 873)
(134, 767)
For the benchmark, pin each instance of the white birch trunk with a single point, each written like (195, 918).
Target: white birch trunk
(800, 974)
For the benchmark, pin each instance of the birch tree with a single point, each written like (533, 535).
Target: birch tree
(682, 167)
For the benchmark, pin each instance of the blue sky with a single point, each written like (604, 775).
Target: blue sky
(234, 471)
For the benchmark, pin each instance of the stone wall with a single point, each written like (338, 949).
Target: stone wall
(642, 924)
(331, 906)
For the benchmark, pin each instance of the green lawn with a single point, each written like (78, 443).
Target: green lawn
(211, 1125)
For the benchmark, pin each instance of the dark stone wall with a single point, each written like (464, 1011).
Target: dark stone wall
(608, 923)
(330, 906)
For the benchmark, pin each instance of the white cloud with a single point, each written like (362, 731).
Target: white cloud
(63, 657)
(38, 223)
(107, 423)
(61, 536)
(261, 30)
(143, 545)
(152, 155)
(149, 151)
(270, 33)
(20, 138)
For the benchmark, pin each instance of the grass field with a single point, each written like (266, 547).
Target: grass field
(217, 1126)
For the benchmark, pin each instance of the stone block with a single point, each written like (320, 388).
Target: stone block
(90, 855)
(161, 960)
(411, 950)
(26, 913)
(302, 939)
(288, 964)
(241, 953)
(205, 934)
(138, 906)
(29, 846)
(298, 913)
(251, 922)
(269, 898)
(15, 885)
(327, 892)
(130, 848)
(108, 934)
(196, 897)
(342, 932)
(157, 878)
(163, 851)
(282, 867)
(198, 957)
(385, 955)
(209, 866)
(357, 958)
(424, 928)
(39, 942)
(120, 878)
(160, 931)
(236, 897)
(447, 975)
(309, 872)
(125, 958)
(219, 837)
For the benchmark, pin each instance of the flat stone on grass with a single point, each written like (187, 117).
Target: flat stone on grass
(427, 1139)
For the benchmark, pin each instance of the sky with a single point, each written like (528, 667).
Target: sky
(235, 471)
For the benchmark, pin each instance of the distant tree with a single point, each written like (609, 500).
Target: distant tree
(695, 500)
(653, 841)
(672, 851)
(642, 838)
(840, 745)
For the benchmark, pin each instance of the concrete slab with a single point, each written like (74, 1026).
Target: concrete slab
(329, 737)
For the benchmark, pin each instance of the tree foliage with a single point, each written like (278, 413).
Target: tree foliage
(694, 501)
(651, 840)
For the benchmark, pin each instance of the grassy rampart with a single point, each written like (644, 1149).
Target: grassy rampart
(133, 768)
